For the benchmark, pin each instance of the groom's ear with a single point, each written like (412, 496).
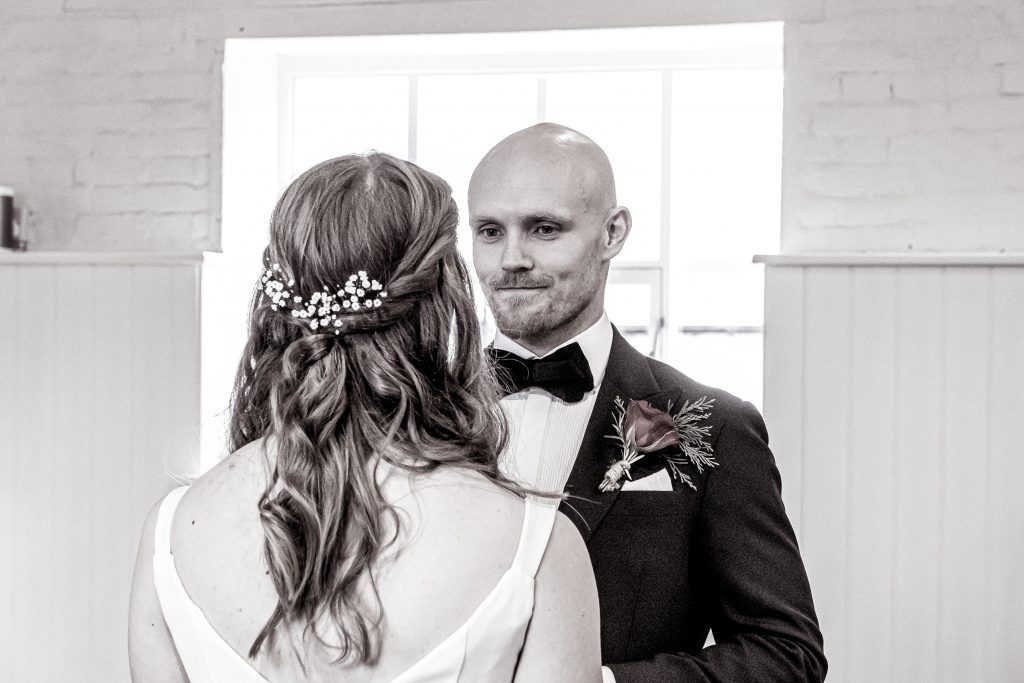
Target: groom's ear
(616, 230)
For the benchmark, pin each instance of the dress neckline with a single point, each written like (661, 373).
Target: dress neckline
(174, 497)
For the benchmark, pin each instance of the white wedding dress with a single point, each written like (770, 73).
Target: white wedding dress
(485, 648)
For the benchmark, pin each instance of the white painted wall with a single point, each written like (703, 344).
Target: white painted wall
(904, 127)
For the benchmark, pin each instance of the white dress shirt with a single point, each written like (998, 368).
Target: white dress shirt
(545, 432)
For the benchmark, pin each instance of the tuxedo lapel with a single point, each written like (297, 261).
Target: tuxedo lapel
(627, 376)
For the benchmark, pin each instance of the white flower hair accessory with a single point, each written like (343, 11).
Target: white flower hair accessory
(321, 309)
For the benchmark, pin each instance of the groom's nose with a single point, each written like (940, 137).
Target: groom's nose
(514, 256)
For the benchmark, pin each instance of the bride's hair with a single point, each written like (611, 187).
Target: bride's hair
(404, 382)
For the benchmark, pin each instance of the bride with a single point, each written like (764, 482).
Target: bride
(361, 530)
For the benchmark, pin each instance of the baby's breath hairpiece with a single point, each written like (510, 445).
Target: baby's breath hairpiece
(321, 309)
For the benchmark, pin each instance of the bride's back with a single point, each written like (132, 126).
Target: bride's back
(363, 349)
(458, 535)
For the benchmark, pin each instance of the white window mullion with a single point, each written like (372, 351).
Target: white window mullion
(664, 335)
(542, 98)
(625, 312)
(414, 90)
(286, 128)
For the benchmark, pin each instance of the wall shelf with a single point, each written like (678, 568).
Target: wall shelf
(108, 258)
(894, 259)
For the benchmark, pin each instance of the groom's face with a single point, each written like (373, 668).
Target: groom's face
(538, 248)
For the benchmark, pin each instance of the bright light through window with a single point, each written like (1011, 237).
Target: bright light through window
(691, 118)
(334, 115)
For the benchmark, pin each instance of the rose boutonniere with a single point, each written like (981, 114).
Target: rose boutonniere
(640, 428)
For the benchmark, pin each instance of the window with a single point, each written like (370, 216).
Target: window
(691, 118)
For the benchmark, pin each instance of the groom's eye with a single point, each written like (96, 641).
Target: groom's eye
(545, 229)
(488, 232)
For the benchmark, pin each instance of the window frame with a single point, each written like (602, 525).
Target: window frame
(259, 77)
(657, 49)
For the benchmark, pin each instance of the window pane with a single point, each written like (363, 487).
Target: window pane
(335, 115)
(718, 296)
(629, 304)
(728, 361)
(621, 111)
(726, 163)
(630, 307)
(460, 117)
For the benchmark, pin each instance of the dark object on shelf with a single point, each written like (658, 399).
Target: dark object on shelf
(9, 238)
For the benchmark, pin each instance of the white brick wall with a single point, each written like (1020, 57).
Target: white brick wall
(904, 121)
(924, 147)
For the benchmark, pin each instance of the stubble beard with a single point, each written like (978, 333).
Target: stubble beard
(520, 321)
(516, 321)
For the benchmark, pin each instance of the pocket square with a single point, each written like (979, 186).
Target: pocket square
(659, 481)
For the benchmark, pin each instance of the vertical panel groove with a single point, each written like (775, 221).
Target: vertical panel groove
(940, 563)
(94, 325)
(802, 364)
(851, 343)
(9, 361)
(990, 363)
(894, 474)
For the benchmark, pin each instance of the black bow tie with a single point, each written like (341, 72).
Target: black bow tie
(565, 373)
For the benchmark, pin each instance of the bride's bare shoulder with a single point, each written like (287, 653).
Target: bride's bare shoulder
(231, 488)
(463, 490)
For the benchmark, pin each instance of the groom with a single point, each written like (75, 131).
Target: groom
(671, 560)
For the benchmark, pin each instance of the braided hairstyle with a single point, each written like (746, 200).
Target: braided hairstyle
(404, 382)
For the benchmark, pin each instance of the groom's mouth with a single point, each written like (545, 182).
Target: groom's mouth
(520, 283)
(519, 291)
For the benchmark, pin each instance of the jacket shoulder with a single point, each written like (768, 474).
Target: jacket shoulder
(682, 387)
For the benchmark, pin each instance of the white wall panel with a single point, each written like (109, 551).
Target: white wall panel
(966, 453)
(826, 403)
(71, 459)
(1003, 629)
(919, 449)
(10, 442)
(893, 396)
(872, 434)
(784, 325)
(99, 399)
(906, 389)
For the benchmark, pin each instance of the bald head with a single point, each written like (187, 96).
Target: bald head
(556, 155)
(545, 227)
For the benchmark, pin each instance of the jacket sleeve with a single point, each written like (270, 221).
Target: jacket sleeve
(761, 611)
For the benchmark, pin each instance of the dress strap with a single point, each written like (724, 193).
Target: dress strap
(162, 533)
(538, 521)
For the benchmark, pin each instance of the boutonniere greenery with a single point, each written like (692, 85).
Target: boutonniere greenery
(678, 438)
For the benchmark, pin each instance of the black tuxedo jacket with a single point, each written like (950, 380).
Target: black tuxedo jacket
(670, 565)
